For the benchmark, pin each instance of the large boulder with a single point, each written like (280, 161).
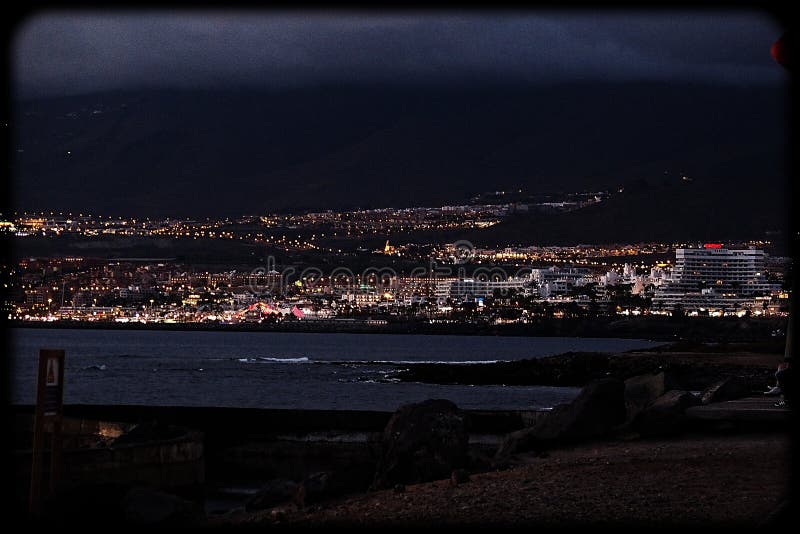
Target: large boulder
(321, 486)
(641, 391)
(276, 491)
(666, 416)
(522, 440)
(422, 442)
(730, 388)
(598, 409)
(149, 431)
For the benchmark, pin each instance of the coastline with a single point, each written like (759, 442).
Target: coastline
(703, 476)
(689, 366)
(667, 329)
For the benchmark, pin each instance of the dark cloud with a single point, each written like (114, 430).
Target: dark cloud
(73, 52)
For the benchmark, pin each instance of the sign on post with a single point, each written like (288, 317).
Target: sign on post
(47, 418)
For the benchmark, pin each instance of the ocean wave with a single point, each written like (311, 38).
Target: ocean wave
(361, 380)
(265, 359)
(177, 369)
(358, 363)
(353, 363)
(101, 367)
(301, 359)
(385, 379)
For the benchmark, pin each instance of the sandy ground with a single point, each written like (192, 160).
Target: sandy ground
(694, 480)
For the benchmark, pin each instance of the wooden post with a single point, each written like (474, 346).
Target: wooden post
(49, 411)
(36, 468)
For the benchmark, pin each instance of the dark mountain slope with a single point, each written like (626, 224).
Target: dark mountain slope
(227, 153)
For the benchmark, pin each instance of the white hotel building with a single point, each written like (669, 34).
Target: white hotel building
(714, 279)
(469, 289)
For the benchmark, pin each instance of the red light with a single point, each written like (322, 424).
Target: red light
(713, 245)
(780, 51)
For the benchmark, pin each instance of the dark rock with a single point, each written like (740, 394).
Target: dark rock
(274, 492)
(501, 462)
(522, 440)
(666, 415)
(641, 391)
(730, 388)
(477, 461)
(568, 369)
(422, 442)
(277, 515)
(149, 431)
(459, 476)
(598, 408)
(235, 514)
(320, 486)
(150, 507)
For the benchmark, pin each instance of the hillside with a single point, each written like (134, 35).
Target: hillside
(198, 154)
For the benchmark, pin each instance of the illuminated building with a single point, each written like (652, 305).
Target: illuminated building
(468, 289)
(714, 278)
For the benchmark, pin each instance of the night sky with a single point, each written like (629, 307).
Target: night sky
(344, 109)
(72, 52)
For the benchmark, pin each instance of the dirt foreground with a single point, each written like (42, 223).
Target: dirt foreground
(716, 479)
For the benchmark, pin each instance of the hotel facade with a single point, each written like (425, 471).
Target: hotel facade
(715, 279)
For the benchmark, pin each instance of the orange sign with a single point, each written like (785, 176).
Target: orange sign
(52, 372)
(50, 388)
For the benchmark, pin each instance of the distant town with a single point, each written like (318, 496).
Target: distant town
(319, 267)
(484, 210)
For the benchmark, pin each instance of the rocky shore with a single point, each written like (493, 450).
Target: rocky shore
(624, 452)
(704, 481)
(688, 365)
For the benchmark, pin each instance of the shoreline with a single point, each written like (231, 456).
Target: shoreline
(666, 329)
(701, 474)
(689, 367)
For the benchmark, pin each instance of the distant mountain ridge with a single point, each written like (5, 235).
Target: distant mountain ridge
(669, 212)
(215, 153)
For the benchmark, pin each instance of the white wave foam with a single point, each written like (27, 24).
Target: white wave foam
(302, 359)
(265, 359)
(356, 363)
(411, 362)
